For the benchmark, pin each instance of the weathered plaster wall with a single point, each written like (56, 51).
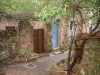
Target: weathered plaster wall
(26, 41)
(8, 22)
(64, 33)
(25, 35)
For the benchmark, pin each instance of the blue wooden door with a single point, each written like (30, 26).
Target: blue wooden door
(55, 36)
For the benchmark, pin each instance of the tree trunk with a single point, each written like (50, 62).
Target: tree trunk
(90, 64)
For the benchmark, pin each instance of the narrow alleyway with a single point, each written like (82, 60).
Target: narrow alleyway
(40, 67)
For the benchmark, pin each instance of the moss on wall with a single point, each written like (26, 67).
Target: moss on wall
(8, 42)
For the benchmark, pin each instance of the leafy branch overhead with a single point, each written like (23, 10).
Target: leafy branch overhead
(46, 9)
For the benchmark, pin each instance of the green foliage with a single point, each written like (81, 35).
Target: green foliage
(3, 55)
(27, 54)
(51, 12)
(46, 9)
(2, 13)
(1, 48)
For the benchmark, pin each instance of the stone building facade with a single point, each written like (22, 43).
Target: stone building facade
(24, 34)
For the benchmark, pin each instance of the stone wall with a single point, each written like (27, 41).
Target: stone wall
(22, 33)
(64, 33)
(8, 43)
(8, 22)
(25, 35)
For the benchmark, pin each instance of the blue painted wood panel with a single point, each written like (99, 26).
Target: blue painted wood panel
(55, 36)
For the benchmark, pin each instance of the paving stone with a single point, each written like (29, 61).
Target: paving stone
(43, 65)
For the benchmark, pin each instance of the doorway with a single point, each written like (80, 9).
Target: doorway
(38, 38)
